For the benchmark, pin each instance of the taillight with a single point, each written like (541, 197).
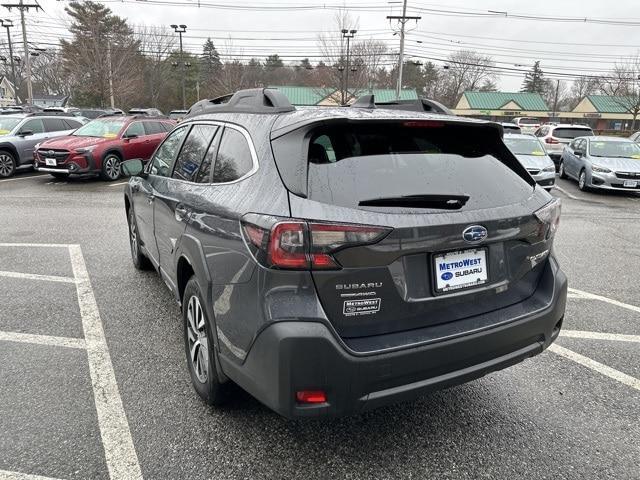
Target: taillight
(305, 245)
(551, 141)
(549, 217)
(311, 396)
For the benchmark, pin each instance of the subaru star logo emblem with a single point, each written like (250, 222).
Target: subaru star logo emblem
(51, 153)
(474, 234)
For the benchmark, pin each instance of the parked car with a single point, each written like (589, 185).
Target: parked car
(90, 113)
(333, 260)
(20, 133)
(509, 127)
(635, 137)
(527, 124)
(100, 145)
(532, 155)
(557, 136)
(610, 163)
(177, 115)
(151, 112)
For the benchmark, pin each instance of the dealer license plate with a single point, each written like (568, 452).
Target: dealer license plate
(631, 183)
(50, 162)
(461, 269)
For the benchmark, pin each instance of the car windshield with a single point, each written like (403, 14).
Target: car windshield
(529, 121)
(101, 128)
(571, 132)
(524, 146)
(614, 149)
(7, 124)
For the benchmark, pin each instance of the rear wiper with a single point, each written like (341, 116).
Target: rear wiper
(443, 202)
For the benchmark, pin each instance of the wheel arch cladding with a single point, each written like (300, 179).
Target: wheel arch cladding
(191, 261)
(112, 151)
(183, 273)
(11, 149)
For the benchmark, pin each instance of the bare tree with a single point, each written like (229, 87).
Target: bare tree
(623, 85)
(581, 88)
(467, 71)
(48, 74)
(156, 43)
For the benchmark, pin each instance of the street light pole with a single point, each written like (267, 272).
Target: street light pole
(9, 24)
(180, 29)
(348, 34)
(402, 20)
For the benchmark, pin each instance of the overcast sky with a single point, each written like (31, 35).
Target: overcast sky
(259, 27)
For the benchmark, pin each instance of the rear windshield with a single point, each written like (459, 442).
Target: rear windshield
(572, 132)
(529, 121)
(524, 146)
(353, 165)
(511, 128)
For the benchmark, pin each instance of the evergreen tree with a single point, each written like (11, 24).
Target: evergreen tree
(534, 81)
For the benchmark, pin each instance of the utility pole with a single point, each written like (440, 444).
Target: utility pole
(111, 99)
(402, 21)
(348, 34)
(555, 99)
(9, 24)
(27, 58)
(180, 29)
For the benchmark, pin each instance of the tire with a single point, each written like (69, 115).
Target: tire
(561, 171)
(582, 181)
(140, 261)
(60, 176)
(110, 170)
(199, 347)
(7, 164)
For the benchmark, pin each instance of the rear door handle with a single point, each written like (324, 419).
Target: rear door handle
(181, 212)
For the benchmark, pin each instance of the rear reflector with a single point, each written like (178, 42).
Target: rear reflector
(423, 124)
(311, 396)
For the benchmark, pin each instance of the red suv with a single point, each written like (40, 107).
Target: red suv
(100, 146)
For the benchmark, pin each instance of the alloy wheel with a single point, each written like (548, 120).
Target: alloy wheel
(6, 165)
(582, 181)
(112, 167)
(197, 336)
(133, 236)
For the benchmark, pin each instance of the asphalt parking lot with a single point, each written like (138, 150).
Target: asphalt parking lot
(93, 380)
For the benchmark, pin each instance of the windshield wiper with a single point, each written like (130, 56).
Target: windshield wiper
(443, 202)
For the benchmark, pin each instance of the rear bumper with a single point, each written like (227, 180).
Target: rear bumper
(290, 356)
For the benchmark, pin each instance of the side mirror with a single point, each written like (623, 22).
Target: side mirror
(132, 168)
(578, 153)
(130, 135)
(25, 133)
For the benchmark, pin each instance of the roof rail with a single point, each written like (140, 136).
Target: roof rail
(49, 114)
(365, 101)
(254, 100)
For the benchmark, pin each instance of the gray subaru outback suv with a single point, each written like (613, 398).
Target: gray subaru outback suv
(333, 260)
(20, 133)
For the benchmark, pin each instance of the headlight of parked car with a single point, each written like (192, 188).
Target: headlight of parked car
(36, 146)
(550, 168)
(86, 149)
(598, 169)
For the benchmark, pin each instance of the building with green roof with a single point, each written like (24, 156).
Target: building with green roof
(496, 105)
(300, 96)
(605, 112)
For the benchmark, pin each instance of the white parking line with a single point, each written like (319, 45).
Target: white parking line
(597, 366)
(570, 195)
(33, 276)
(116, 184)
(120, 453)
(20, 178)
(67, 342)
(6, 475)
(617, 337)
(44, 245)
(593, 296)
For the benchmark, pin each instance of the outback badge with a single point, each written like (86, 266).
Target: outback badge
(474, 234)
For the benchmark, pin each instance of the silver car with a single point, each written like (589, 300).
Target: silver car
(532, 155)
(556, 136)
(20, 133)
(610, 163)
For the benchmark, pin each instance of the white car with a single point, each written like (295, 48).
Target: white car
(531, 154)
(527, 124)
(558, 135)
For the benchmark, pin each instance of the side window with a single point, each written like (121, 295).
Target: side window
(153, 128)
(204, 174)
(193, 152)
(35, 125)
(165, 155)
(71, 124)
(55, 124)
(321, 150)
(234, 158)
(167, 126)
(135, 129)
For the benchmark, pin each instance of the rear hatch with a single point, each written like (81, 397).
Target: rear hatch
(458, 206)
(565, 135)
